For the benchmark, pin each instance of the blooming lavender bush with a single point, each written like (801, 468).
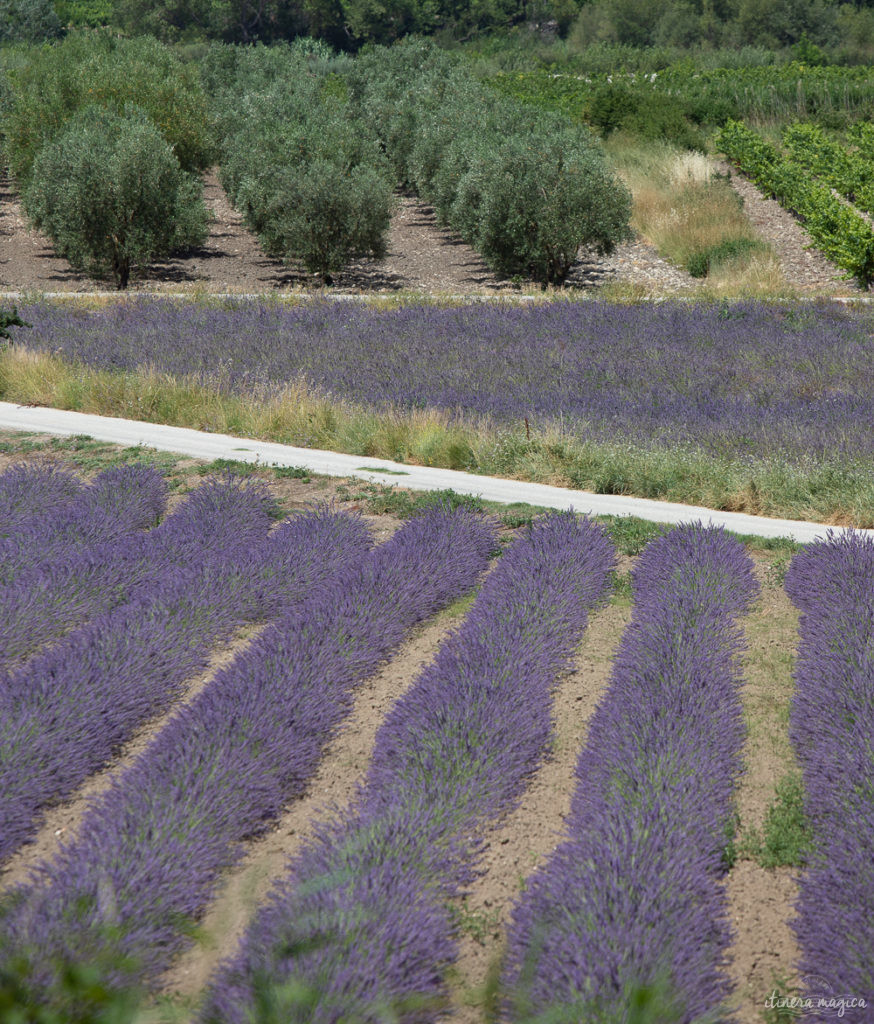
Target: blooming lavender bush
(29, 493)
(360, 930)
(117, 503)
(66, 712)
(151, 850)
(50, 599)
(832, 583)
(630, 906)
(748, 381)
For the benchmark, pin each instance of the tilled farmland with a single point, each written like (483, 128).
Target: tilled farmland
(327, 768)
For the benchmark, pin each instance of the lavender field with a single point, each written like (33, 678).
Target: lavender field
(744, 381)
(226, 635)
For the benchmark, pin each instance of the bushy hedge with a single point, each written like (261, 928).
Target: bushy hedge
(111, 195)
(526, 188)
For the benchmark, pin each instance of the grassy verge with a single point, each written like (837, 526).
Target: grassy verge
(822, 493)
(695, 219)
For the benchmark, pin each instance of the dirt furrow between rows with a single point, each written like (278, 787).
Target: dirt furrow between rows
(342, 768)
(761, 899)
(803, 265)
(62, 821)
(534, 829)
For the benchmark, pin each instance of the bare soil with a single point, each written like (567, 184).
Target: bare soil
(422, 256)
(525, 839)
(760, 901)
(804, 266)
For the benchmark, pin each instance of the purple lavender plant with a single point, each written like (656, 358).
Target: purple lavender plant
(29, 492)
(116, 504)
(152, 850)
(360, 930)
(832, 583)
(746, 380)
(67, 711)
(47, 601)
(629, 907)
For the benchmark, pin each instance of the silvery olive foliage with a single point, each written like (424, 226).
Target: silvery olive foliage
(111, 195)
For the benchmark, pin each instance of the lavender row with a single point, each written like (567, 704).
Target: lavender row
(631, 902)
(748, 380)
(65, 711)
(360, 930)
(832, 583)
(151, 851)
(44, 603)
(29, 493)
(118, 502)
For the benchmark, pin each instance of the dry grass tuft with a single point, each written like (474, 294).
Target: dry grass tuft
(695, 219)
(690, 169)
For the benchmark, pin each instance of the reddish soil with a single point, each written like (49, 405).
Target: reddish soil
(760, 901)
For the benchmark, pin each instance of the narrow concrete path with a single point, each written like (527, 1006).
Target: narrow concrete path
(201, 445)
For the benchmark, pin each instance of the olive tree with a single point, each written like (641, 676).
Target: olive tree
(111, 195)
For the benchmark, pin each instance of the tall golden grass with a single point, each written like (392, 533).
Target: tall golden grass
(554, 454)
(682, 207)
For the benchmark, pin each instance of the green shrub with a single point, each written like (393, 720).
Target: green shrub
(543, 198)
(729, 250)
(647, 114)
(324, 214)
(28, 21)
(609, 106)
(110, 193)
(400, 92)
(10, 318)
(456, 188)
(84, 13)
(96, 68)
(297, 161)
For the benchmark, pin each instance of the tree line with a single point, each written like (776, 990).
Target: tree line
(349, 24)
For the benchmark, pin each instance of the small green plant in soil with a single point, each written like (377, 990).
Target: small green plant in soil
(292, 473)
(775, 1011)
(785, 838)
(235, 466)
(478, 924)
(630, 534)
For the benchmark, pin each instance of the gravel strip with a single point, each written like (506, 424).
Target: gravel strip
(804, 266)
